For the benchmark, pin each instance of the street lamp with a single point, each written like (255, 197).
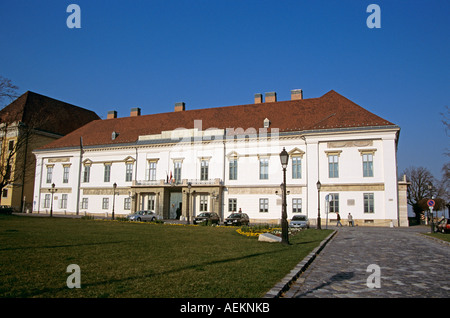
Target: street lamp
(318, 184)
(114, 198)
(430, 189)
(188, 201)
(284, 158)
(52, 191)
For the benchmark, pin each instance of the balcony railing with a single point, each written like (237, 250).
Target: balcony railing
(183, 182)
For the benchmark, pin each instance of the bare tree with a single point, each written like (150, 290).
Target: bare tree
(446, 120)
(421, 187)
(8, 91)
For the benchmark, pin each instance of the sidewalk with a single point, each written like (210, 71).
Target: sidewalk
(410, 264)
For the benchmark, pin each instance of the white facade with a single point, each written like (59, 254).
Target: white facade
(357, 169)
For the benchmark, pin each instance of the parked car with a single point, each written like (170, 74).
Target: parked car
(144, 215)
(4, 209)
(207, 216)
(443, 226)
(237, 219)
(299, 221)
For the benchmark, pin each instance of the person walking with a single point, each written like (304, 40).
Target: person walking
(350, 219)
(338, 219)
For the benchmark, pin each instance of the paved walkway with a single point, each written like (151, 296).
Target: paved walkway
(410, 265)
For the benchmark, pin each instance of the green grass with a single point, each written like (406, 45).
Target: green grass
(441, 236)
(123, 259)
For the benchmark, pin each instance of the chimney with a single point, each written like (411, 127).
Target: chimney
(135, 112)
(180, 107)
(296, 94)
(258, 98)
(271, 97)
(111, 114)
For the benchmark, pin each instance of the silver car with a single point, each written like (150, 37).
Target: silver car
(143, 216)
(299, 221)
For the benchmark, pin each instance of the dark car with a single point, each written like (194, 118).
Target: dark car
(237, 219)
(443, 226)
(6, 209)
(206, 217)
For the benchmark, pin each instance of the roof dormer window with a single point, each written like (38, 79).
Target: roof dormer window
(114, 135)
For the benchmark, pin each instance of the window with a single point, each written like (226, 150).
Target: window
(264, 168)
(86, 173)
(129, 172)
(49, 174)
(47, 201)
(233, 169)
(127, 203)
(367, 164)
(63, 202)
(105, 204)
(203, 203)
(232, 205)
(204, 167)
(263, 205)
(84, 203)
(334, 202)
(4, 193)
(177, 171)
(151, 171)
(368, 203)
(333, 166)
(151, 203)
(11, 145)
(107, 173)
(296, 168)
(66, 174)
(296, 205)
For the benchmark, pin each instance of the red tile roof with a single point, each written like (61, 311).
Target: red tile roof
(46, 114)
(331, 111)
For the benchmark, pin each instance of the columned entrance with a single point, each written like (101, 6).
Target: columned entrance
(176, 201)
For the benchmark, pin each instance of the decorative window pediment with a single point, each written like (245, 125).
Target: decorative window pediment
(296, 152)
(232, 155)
(129, 159)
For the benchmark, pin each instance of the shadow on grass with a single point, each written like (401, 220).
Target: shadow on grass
(59, 246)
(198, 266)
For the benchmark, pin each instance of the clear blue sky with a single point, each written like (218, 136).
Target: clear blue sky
(208, 53)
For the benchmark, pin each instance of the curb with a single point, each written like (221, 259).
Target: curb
(442, 242)
(286, 282)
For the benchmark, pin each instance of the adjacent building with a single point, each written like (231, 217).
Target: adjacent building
(28, 123)
(226, 159)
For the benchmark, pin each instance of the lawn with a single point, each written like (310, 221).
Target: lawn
(441, 236)
(139, 260)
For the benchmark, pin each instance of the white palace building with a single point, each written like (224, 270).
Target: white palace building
(227, 158)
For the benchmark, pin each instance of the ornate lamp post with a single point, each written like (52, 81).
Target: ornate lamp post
(430, 188)
(52, 191)
(318, 184)
(284, 158)
(114, 198)
(188, 202)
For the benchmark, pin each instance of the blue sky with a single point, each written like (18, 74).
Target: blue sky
(208, 53)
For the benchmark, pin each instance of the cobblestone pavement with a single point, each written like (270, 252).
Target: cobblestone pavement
(410, 265)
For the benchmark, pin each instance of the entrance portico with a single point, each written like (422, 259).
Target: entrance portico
(166, 198)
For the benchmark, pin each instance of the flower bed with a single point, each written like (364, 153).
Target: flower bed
(256, 230)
